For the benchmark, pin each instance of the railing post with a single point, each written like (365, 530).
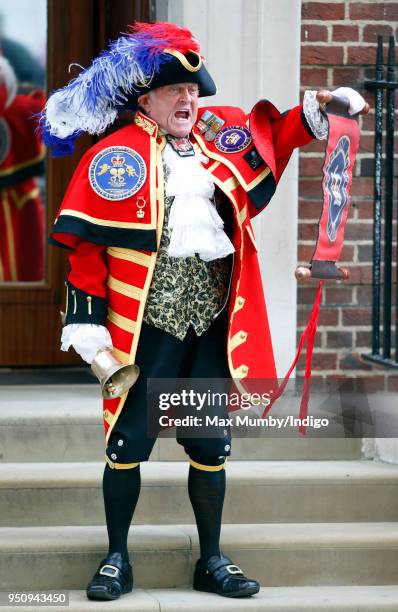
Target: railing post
(377, 202)
(388, 202)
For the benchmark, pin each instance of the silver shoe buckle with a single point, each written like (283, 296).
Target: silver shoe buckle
(109, 570)
(233, 569)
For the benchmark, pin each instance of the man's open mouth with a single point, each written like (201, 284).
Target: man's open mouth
(182, 114)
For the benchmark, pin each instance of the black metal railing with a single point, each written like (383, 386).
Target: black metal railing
(382, 294)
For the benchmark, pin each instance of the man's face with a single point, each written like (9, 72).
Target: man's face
(173, 107)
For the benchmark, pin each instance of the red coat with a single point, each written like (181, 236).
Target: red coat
(114, 245)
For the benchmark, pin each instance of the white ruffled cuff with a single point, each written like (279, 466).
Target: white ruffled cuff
(87, 339)
(317, 122)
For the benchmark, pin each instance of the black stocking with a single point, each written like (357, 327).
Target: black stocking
(206, 492)
(121, 489)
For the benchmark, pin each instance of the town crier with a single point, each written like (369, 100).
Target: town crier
(163, 258)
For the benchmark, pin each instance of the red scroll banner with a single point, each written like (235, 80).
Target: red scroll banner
(342, 146)
(341, 150)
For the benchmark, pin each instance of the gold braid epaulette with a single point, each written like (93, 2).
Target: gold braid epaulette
(147, 126)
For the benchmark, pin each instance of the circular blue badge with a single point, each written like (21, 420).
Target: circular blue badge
(233, 139)
(5, 140)
(116, 173)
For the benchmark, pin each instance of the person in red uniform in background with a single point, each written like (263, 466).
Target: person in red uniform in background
(21, 160)
(163, 259)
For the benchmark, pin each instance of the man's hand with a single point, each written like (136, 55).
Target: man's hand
(324, 97)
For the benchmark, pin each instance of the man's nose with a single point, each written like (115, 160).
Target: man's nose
(185, 94)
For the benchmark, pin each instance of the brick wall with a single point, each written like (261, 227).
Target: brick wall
(338, 48)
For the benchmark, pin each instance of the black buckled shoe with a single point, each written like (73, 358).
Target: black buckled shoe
(113, 578)
(219, 575)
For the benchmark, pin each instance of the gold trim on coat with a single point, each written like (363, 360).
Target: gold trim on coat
(124, 288)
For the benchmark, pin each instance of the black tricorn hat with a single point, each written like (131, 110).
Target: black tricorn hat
(182, 68)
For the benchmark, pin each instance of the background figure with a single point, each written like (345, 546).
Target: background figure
(21, 159)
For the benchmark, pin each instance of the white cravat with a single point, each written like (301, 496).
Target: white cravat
(196, 226)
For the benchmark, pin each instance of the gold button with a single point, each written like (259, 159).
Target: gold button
(243, 335)
(241, 301)
(245, 369)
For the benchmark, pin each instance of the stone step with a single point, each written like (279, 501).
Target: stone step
(64, 423)
(271, 599)
(273, 491)
(343, 554)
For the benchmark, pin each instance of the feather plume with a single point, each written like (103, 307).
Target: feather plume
(89, 102)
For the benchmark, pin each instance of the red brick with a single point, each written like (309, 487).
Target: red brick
(310, 188)
(353, 361)
(364, 295)
(314, 33)
(365, 252)
(306, 295)
(358, 231)
(328, 55)
(364, 338)
(367, 144)
(372, 31)
(356, 316)
(305, 252)
(323, 10)
(339, 339)
(308, 231)
(313, 77)
(359, 275)
(372, 11)
(315, 146)
(343, 33)
(347, 254)
(324, 361)
(327, 316)
(308, 209)
(338, 295)
(348, 76)
(368, 121)
(364, 208)
(361, 55)
(311, 166)
(362, 187)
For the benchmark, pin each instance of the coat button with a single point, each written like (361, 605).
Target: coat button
(227, 447)
(113, 456)
(225, 432)
(243, 335)
(245, 369)
(240, 301)
(120, 442)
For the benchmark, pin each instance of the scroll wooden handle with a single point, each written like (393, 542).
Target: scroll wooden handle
(304, 274)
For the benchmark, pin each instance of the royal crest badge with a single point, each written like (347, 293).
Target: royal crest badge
(116, 173)
(233, 139)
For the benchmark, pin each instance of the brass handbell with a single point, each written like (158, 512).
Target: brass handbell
(116, 378)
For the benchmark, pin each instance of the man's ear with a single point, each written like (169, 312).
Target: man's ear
(144, 102)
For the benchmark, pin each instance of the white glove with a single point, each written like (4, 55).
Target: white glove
(353, 98)
(87, 339)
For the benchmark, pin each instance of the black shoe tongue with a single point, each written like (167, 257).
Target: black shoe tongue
(116, 559)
